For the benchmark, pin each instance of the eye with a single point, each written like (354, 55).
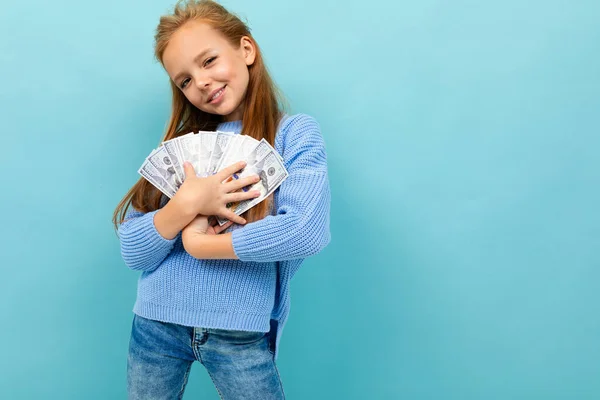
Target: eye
(209, 60)
(183, 83)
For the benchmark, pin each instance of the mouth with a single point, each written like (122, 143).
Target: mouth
(216, 94)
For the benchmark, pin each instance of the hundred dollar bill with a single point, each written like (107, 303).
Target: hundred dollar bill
(148, 171)
(162, 162)
(207, 142)
(234, 152)
(178, 148)
(172, 149)
(221, 142)
(272, 173)
(261, 148)
(189, 148)
(259, 151)
(246, 146)
(252, 150)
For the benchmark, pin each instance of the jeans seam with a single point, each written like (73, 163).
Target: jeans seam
(209, 374)
(272, 339)
(185, 379)
(279, 378)
(215, 383)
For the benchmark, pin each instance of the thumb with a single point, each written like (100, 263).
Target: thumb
(188, 169)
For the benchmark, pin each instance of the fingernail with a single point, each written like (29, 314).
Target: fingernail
(243, 221)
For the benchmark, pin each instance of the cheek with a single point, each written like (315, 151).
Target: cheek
(197, 101)
(224, 73)
(243, 75)
(194, 98)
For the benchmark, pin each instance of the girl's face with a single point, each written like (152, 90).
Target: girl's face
(211, 73)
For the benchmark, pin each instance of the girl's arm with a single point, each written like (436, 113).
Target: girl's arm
(142, 246)
(204, 246)
(201, 239)
(146, 239)
(300, 227)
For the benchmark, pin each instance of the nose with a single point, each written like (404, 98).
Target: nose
(202, 81)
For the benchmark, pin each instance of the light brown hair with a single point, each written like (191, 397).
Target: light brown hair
(264, 102)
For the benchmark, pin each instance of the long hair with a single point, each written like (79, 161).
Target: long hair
(264, 102)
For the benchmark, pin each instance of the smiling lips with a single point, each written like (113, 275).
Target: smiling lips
(216, 94)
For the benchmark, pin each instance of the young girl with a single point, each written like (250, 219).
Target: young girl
(220, 295)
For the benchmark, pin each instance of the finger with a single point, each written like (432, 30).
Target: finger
(230, 170)
(238, 184)
(188, 169)
(240, 196)
(230, 215)
(219, 229)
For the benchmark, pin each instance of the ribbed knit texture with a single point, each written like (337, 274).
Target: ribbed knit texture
(248, 293)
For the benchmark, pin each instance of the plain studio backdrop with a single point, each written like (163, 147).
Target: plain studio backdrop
(462, 141)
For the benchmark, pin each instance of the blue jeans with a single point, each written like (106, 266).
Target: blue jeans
(241, 364)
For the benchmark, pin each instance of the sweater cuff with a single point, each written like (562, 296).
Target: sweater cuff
(240, 245)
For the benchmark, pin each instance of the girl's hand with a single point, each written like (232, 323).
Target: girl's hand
(198, 240)
(210, 196)
(203, 225)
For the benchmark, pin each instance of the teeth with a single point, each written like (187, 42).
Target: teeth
(216, 95)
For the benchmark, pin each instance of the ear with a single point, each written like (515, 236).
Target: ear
(248, 50)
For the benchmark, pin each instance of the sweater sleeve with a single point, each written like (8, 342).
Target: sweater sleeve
(142, 247)
(300, 227)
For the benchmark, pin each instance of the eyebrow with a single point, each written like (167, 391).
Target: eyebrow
(195, 60)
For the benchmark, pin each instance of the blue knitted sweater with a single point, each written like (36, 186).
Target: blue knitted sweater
(252, 293)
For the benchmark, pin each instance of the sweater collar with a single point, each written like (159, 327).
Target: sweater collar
(231, 126)
(236, 126)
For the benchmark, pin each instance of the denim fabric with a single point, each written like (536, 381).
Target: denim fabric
(241, 364)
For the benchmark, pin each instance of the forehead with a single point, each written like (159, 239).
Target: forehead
(189, 40)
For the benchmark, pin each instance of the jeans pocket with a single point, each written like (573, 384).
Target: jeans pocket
(235, 337)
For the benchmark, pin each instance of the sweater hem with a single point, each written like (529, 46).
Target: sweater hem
(203, 318)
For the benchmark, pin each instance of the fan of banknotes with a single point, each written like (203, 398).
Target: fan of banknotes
(210, 152)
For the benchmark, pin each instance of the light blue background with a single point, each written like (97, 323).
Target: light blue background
(463, 142)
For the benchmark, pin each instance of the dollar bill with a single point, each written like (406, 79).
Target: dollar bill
(230, 155)
(178, 148)
(172, 149)
(162, 162)
(272, 173)
(207, 142)
(242, 146)
(210, 152)
(189, 147)
(148, 171)
(246, 146)
(221, 142)
(258, 152)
